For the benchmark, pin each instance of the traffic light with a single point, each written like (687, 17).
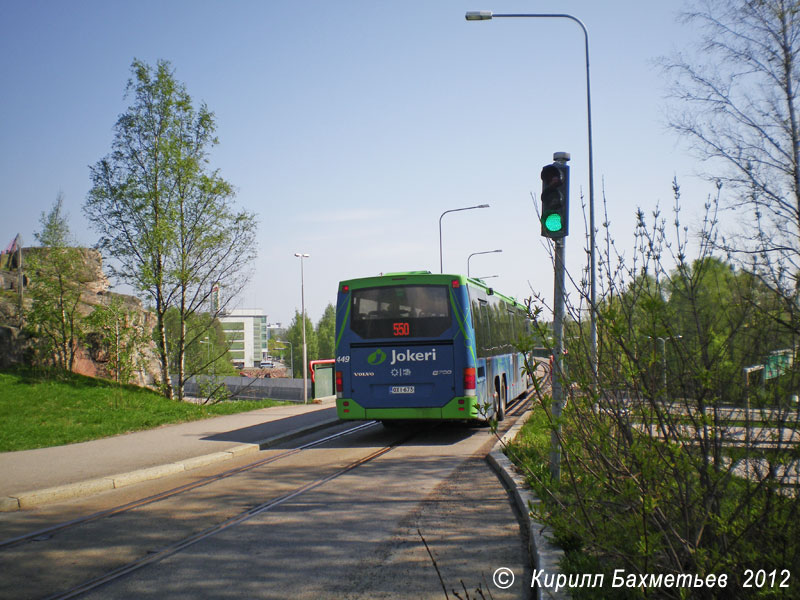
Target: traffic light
(555, 200)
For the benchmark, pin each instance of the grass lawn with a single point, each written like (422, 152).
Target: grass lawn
(46, 408)
(530, 450)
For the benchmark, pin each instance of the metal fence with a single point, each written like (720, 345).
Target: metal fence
(251, 388)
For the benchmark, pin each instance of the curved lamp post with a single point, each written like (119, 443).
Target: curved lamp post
(441, 269)
(476, 253)
(291, 354)
(486, 15)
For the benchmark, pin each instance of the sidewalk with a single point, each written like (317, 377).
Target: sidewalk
(31, 478)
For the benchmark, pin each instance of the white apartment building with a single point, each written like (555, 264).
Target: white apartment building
(246, 332)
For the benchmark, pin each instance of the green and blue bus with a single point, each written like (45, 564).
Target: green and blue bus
(422, 346)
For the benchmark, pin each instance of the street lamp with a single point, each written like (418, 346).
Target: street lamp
(269, 326)
(441, 269)
(301, 256)
(476, 253)
(486, 15)
(291, 354)
(206, 341)
(662, 342)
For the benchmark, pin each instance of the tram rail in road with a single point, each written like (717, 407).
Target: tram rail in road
(157, 555)
(514, 409)
(78, 541)
(47, 531)
(51, 539)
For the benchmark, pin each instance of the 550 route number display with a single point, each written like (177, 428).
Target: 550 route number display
(401, 329)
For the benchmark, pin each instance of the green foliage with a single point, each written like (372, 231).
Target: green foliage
(532, 444)
(206, 347)
(164, 216)
(212, 389)
(326, 333)
(205, 352)
(55, 273)
(55, 227)
(656, 477)
(119, 336)
(295, 335)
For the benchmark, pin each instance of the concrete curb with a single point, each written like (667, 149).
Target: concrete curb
(91, 487)
(545, 556)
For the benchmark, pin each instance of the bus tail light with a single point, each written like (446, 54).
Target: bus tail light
(469, 381)
(339, 382)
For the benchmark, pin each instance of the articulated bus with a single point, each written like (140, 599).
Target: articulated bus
(417, 346)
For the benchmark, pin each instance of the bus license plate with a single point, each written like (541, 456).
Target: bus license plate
(402, 389)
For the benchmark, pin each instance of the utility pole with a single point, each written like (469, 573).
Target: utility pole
(558, 359)
(302, 256)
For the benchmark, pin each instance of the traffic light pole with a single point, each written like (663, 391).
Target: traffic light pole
(555, 226)
(557, 375)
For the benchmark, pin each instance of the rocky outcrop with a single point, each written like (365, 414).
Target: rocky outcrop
(11, 348)
(91, 358)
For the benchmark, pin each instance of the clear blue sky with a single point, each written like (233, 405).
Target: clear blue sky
(350, 126)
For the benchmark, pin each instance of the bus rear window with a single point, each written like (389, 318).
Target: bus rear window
(408, 311)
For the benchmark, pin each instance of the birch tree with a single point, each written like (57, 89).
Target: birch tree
(57, 274)
(167, 219)
(737, 104)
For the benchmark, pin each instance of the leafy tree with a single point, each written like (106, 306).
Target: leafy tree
(207, 350)
(295, 335)
(119, 334)
(55, 289)
(166, 219)
(55, 231)
(326, 333)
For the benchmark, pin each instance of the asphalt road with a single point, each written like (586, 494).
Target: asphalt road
(362, 534)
